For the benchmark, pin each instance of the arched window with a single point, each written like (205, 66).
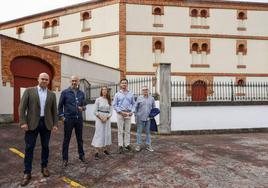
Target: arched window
(241, 48)
(194, 13)
(240, 82)
(20, 31)
(46, 27)
(195, 47)
(54, 27)
(85, 51)
(241, 16)
(204, 47)
(158, 45)
(85, 18)
(204, 13)
(157, 11)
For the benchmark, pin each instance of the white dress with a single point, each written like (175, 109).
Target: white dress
(102, 136)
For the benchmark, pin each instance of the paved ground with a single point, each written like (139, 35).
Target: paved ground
(216, 161)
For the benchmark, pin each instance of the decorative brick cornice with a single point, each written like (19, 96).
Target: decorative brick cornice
(200, 35)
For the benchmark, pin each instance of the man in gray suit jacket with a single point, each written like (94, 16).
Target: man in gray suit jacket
(38, 115)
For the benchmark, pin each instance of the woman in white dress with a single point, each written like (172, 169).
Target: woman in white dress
(103, 111)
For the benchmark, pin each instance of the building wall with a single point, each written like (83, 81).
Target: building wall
(218, 117)
(178, 20)
(104, 20)
(93, 73)
(221, 59)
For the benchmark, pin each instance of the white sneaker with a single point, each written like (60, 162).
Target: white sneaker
(149, 148)
(138, 148)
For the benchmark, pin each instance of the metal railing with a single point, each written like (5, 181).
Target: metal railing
(134, 85)
(218, 91)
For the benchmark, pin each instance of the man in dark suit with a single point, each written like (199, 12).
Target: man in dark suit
(38, 115)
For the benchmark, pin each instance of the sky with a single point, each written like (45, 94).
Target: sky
(13, 9)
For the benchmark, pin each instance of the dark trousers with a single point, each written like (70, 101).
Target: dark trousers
(69, 124)
(30, 140)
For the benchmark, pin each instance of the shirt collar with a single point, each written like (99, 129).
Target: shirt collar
(40, 89)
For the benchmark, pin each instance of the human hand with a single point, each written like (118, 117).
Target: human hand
(24, 127)
(80, 109)
(54, 128)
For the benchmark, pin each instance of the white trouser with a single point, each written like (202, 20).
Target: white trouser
(123, 134)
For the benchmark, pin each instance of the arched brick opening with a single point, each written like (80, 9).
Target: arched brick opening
(25, 70)
(199, 91)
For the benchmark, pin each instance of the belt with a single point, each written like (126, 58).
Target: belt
(42, 117)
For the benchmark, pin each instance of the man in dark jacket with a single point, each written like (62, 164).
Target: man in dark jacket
(71, 105)
(38, 115)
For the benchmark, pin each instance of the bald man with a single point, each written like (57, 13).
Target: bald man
(38, 115)
(71, 105)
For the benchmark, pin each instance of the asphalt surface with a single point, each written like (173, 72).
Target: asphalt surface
(184, 161)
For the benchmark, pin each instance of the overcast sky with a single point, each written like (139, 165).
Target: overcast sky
(13, 9)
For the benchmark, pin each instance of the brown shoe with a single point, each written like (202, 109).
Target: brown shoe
(25, 180)
(45, 172)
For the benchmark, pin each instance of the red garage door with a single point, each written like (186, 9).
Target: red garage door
(26, 71)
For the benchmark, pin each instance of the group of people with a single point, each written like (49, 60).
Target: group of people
(39, 114)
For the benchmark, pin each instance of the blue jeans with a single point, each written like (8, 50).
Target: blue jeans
(30, 140)
(140, 127)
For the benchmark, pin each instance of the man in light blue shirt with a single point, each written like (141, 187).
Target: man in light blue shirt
(124, 105)
(144, 104)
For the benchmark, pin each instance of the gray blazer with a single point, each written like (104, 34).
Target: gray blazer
(29, 109)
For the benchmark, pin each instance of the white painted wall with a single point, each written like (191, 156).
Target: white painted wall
(104, 20)
(6, 99)
(91, 117)
(222, 57)
(177, 20)
(104, 50)
(94, 73)
(218, 117)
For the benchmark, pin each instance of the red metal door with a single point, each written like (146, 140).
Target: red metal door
(199, 91)
(26, 71)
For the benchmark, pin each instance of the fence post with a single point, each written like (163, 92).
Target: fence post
(164, 90)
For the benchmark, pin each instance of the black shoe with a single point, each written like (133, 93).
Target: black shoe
(45, 172)
(97, 157)
(26, 180)
(106, 152)
(83, 160)
(128, 148)
(120, 150)
(64, 163)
